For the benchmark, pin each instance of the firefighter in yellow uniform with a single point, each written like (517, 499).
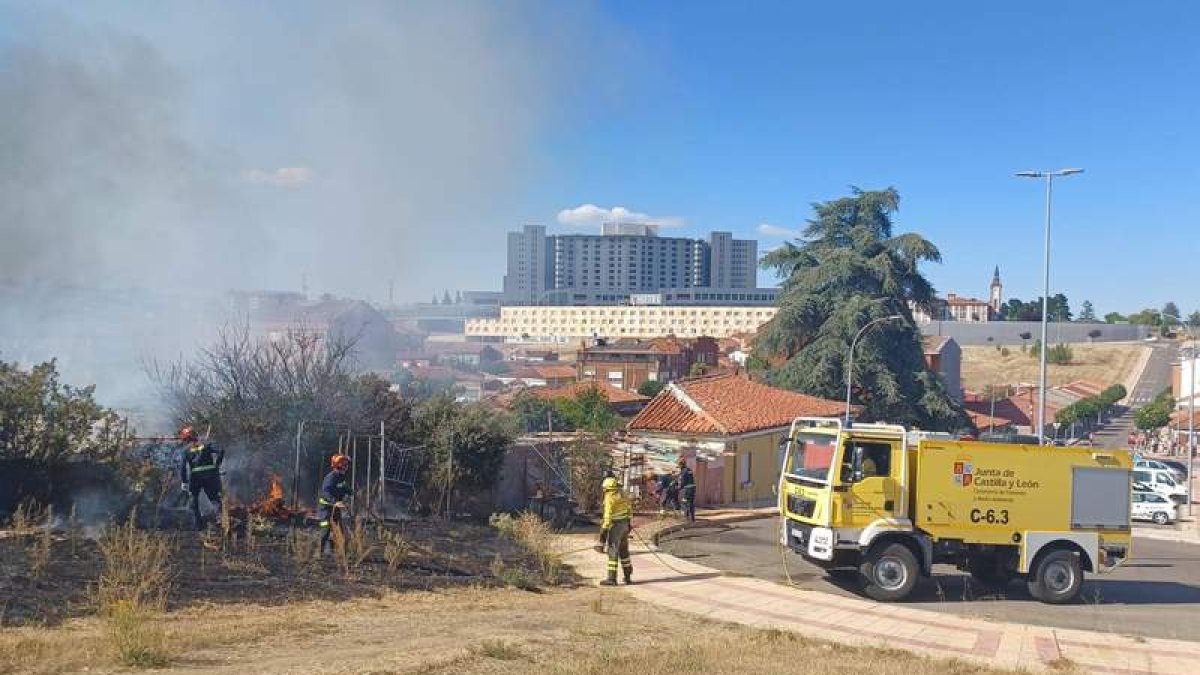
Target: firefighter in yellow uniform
(614, 532)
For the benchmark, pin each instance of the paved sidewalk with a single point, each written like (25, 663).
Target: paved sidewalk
(688, 587)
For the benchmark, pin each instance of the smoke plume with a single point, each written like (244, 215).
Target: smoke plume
(151, 159)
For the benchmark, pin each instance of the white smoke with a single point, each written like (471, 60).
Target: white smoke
(162, 155)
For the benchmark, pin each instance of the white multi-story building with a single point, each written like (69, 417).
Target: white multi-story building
(571, 324)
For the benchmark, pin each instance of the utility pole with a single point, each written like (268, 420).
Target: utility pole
(1049, 176)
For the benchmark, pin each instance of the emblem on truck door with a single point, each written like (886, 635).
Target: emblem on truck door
(964, 474)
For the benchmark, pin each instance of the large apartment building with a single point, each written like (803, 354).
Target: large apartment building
(567, 324)
(625, 259)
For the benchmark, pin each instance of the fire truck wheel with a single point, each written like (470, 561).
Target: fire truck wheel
(1058, 577)
(890, 572)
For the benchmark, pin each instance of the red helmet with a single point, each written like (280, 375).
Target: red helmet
(339, 462)
(187, 433)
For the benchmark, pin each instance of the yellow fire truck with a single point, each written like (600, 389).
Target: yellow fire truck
(890, 504)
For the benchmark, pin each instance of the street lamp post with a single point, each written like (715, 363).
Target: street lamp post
(850, 361)
(1049, 176)
(1195, 358)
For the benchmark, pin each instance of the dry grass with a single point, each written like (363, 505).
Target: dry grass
(537, 538)
(1103, 363)
(136, 566)
(28, 517)
(131, 593)
(395, 549)
(460, 631)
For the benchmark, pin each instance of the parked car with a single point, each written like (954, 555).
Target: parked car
(1146, 505)
(1162, 482)
(1177, 473)
(1179, 467)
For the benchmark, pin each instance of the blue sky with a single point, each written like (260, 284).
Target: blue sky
(733, 118)
(726, 116)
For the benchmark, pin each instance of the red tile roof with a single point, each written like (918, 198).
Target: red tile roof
(547, 372)
(612, 393)
(727, 404)
(1015, 410)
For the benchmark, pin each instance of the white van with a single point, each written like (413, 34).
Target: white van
(1160, 481)
(1152, 506)
(1155, 464)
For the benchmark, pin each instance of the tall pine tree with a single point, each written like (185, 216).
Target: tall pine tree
(849, 268)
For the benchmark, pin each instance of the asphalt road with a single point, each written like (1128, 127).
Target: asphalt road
(1157, 594)
(1155, 378)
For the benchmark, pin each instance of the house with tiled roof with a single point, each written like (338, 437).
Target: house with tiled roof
(728, 428)
(629, 363)
(943, 357)
(546, 375)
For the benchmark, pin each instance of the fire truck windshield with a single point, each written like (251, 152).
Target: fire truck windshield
(811, 456)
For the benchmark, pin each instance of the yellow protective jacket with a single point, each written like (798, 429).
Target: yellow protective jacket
(616, 507)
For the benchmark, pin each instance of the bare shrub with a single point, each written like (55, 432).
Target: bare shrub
(587, 460)
(537, 538)
(27, 517)
(395, 549)
(40, 550)
(136, 567)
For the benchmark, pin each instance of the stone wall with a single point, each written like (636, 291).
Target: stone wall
(1009, 332)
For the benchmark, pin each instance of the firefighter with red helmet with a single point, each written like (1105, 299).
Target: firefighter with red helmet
(331, 503)
(200, 471)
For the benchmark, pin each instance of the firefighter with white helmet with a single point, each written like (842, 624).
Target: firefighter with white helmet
(614, 531)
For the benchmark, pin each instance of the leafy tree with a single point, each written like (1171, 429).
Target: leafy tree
(650, 388)
(536, 414)
(1146, 317)
(468, 443)
(1058, 309)
(697, 369)
(848, 269)
(1095, 333)
(1193, 319)
(1018, 310)
(1088, 313)
(48, 423)
(589, 411)
(1157, 414)
(1170, 312)
(1115, 317)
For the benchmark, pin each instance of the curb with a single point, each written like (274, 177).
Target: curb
(1131, 382)
(740, 518)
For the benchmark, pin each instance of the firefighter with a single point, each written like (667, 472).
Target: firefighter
(331, 502)
(614, 532)
(687, 490)
(200, 471)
